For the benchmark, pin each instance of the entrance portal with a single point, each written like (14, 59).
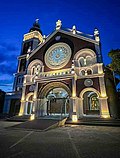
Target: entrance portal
(91, 103)
(58, 102)
(53, 99)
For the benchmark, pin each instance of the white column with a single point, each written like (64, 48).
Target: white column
(74, 86)
(103, 99)
(65, 106)
(31, 106)
(36, 107)
(104, 111)
(22, 101)
(22, 108)
(25, 108)
(73, 99)
(102, 86)
(80, 107)
(42, 68)
(35, 101)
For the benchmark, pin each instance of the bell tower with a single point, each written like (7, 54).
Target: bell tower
(33, 38)
(30, 42)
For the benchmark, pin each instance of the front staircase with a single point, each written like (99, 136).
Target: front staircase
(95, 121)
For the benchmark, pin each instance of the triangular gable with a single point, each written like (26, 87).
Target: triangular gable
(64, 32)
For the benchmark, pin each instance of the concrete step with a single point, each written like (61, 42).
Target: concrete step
(95, 121)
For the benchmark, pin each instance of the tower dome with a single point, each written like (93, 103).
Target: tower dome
(36, 26)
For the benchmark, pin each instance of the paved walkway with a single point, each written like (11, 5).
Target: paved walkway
(38, 124)
(70, 141)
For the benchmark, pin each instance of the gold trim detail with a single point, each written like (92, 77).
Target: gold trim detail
(34, 34)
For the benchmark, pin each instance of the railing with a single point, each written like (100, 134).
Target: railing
(55, 73)
(80, 71)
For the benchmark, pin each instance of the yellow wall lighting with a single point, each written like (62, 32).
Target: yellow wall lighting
(19, 114)
(105, 116)
(73, 94)
(103, 95)
(32, 117)
(74, 118)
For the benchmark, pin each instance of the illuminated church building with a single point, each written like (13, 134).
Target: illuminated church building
(61, 73)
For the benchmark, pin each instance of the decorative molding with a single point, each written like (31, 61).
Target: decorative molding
(44, 91)
(83, 51)
(33, 34)
(89, 89)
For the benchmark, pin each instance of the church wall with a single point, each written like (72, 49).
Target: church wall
(80, 85)
(75, 44)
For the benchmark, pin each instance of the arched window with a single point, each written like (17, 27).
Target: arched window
(85, 61)
(89, 72)
(85, 57)
(35, 67)
(81, 61)
(82, 73)
(88, 60)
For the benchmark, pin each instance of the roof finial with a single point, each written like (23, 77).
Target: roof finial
(37, 21)
(36, 26)
(96, 35)
(58, 24)
(74, 29)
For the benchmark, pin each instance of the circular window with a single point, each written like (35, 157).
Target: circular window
(58, 55)
(88, 82)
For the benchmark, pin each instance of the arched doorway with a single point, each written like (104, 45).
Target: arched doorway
(53, 99)
(58, 102)
(91, 104)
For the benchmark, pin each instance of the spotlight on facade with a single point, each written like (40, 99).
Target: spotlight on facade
(19, 114)
(32, 117)
(105, 116)
(103, 95)
(74, 118)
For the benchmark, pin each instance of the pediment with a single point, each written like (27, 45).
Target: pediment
(61, 32)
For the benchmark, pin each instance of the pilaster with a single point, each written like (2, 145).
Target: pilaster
(22, 106)
(104, 111)
(103, 99)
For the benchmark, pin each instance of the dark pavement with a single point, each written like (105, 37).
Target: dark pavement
(69, 141)
(37, 124)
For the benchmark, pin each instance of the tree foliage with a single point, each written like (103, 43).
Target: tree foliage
(115, 64)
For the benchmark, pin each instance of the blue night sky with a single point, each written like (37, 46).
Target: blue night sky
(16, 18)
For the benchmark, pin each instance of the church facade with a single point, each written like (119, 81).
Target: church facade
(61, 73)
